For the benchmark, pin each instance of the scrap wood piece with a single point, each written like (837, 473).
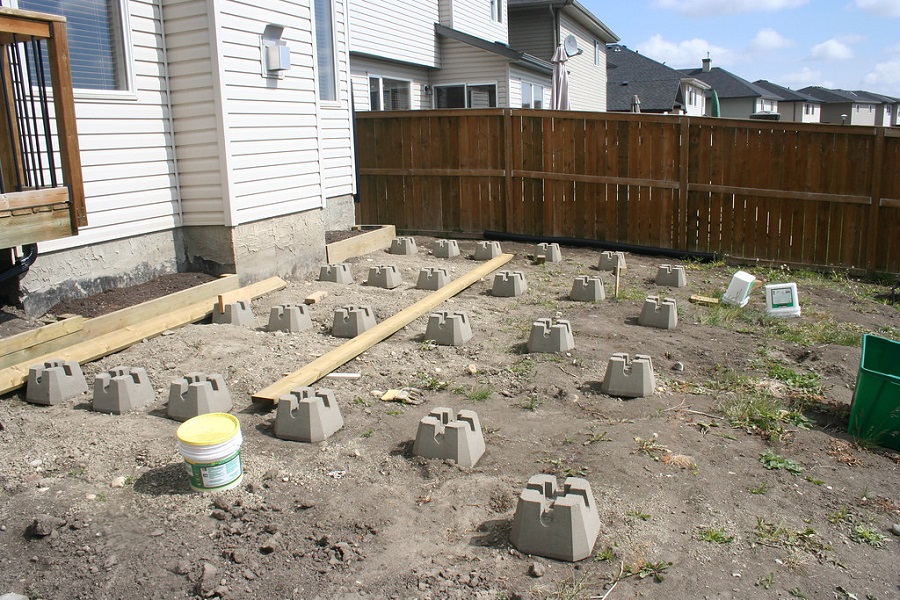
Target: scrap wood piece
(320, 367)
(704, 300)
(249, 292)
(315, 297)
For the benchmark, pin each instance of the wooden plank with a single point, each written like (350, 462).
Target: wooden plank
(874, 210)
(768, 193)
(358, 245)
(14, 346)
(315, 297)
(249, 292)
(326, 363)
(27, 27)
(30, 227)
(34, 198)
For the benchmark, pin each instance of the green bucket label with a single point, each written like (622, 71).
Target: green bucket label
(209, 476)
(782, 298)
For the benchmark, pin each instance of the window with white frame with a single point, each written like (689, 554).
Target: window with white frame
(465, 96)
(532, 95)
(389, 94)
(325, 52)
(692, 97)
(497, 10)
(96, 31)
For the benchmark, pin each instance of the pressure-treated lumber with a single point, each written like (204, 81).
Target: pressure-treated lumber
(248, 292)
(16, 345)
(326, 363)
(364, 243)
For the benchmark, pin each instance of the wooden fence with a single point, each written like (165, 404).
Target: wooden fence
(802, 194)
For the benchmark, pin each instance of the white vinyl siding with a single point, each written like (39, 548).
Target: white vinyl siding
(466, 64)
(587, 80)
(407, 35)
(474, 17)
(335, 118)
(518, 77)
(363, 68)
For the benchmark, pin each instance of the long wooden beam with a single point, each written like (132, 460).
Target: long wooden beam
(346, 352)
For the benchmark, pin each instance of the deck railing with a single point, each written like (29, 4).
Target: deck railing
(41, 187)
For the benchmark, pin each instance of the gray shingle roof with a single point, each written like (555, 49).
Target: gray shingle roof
(629, 73)
(839, 96)
(729, 85)
(786, 94)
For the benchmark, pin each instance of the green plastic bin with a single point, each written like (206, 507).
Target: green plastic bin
(875, 413)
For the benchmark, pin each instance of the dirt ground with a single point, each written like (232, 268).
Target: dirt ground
(98, 506)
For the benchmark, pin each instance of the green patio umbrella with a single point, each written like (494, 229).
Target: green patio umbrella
(714, 109)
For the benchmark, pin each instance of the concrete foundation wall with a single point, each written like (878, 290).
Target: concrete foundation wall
(339, 213)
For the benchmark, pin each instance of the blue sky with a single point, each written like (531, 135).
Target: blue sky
(848, 44)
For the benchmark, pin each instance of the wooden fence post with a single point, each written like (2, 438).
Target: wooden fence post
(681, 219)
(877, 169)
(508, 168)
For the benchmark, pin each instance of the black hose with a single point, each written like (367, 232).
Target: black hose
(587, 243)
(22, 264)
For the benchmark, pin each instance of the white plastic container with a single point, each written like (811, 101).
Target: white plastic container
(781, 300)
(211, 447)
(738, 291)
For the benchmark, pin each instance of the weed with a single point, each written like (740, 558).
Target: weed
(865, 534)
(595, 438)
(367, 433)
(778, 535)
(637, 514)
(642, 570)
(428, 345)
(429, 382)
(631, 294)
(796, 593)
(361, 401)
(651, 447)
(714, 535)
(766, 582)
(774, 462)
(522, 368)
(606, 555)
(571, 590)
(815, 481)
(760, 490)
(129, 480)
(839, 516)
(77, 472)
(532, 402)
(395, 412)
(473, 393)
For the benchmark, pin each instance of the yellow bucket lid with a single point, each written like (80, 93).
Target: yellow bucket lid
(208, 430)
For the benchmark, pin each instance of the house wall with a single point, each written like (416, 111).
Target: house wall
(407, 36)
(465, 64)
(474, 17)
(587, 81)
(362, 67)
(698, 109)
(863, 114)
(531, 31)
(517, 75)
(795, 112)
(737, 108)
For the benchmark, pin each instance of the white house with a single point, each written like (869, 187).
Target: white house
(794, 106)
(214, 136)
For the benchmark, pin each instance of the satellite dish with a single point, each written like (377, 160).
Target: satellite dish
(570, 45)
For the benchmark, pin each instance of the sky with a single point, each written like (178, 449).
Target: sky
(846, 44)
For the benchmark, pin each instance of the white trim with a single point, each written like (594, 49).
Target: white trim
(218, 88)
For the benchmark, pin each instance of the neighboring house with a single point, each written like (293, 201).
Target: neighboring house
(738, 98)
(539, 26)
(201, 149)
(846, 107)
(794, 106)
(656, 87)
(889, 115)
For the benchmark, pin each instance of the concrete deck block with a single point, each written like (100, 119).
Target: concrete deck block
(588, 289)
(547, 336)
(671, 276)
(634, 380)
(443, 435)
(289, 317)
(55, 381)
(662, 314)
(487, 250)
(339, 273)
(433, 278)
(351, 320)
(198, 394)
(308, 415)
(610, 260)
(550, 251)
(508, 284)
(236, 313)
(556, 522)
(446, 249)
(122, 389)
(449, 328)
(403, 245)
(386, 276)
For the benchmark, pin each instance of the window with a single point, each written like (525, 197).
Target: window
(97, 50)
(389, 94)
(497, 10)
(325, 54)
(465, 96)
(532, 95)
(692, 97)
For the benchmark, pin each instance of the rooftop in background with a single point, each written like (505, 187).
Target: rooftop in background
(786, 94)
(727, 84)
(576, 11)
(630, 73)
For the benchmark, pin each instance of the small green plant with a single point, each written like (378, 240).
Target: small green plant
(714, 535)
(815, 481)
(361, 401)
(595, 438)
(651, 447)
(474, 393)
(642, 570)
(429, 382)
(129, 480)
(774, 462)
(608, 554)
(761, 489)
(367, 433)
(531, 403)
(637, 514)
(522, 368)
(427, 345)
(796, 593)
(865, 534)
(395, 412)
(77, 472)
(770, 534)
(839, 516)
(766, 582)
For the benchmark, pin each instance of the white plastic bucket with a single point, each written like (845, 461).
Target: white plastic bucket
(211, 447)
(738, 291)
(781, 300)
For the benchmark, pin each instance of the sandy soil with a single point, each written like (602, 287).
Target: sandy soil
(98, 506)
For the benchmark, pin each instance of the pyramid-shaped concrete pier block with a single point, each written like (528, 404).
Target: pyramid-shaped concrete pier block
(235, 313)
(487, 250)
(634, 380)
(550, 252)
(443, 435)
(403, 245)
(289, 317)
(448, 328)
(508, 284)
(446, 249)
(198, 394)
(662, 314)
(671, 276)
(387, 277)
(122, 389)
(308, 415)
(339, 273)
(610, 260)
(55, 381)
(351, 320)
(547, 336)
(588, 289)
(433, 278)
(556, 522)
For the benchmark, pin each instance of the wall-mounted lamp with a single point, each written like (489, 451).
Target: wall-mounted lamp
(275, 55)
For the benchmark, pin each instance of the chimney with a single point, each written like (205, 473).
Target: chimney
(707, 64)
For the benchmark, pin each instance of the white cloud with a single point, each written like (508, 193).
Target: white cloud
(885, 74)
(880, 8)
(803, 78)
(704, 8)
(831, 50)
(767, 40)
(683, 54)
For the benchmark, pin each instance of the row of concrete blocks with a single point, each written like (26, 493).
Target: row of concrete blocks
(445, 248)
